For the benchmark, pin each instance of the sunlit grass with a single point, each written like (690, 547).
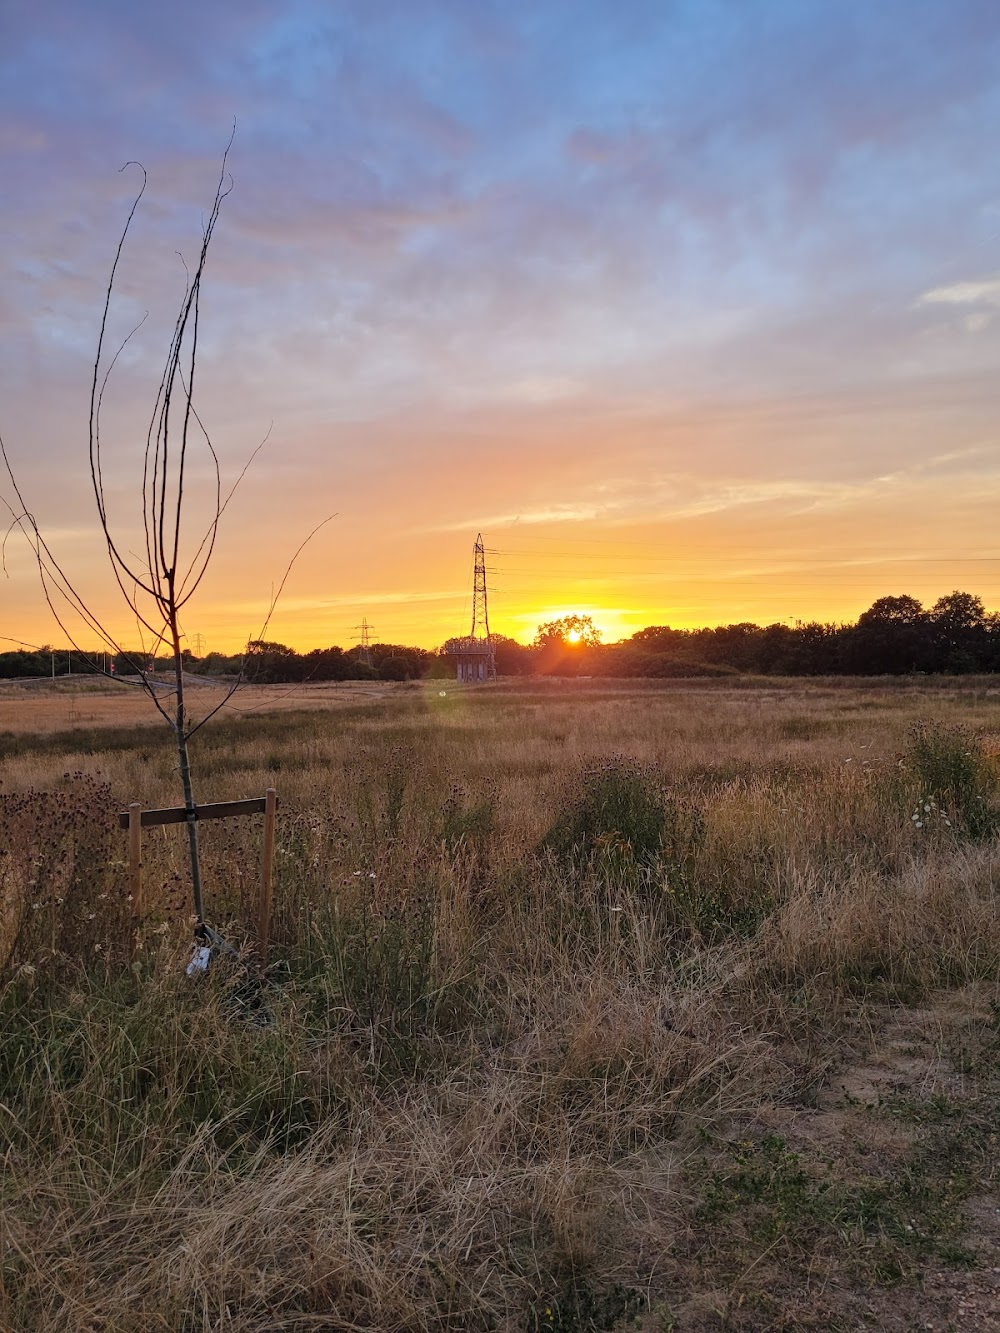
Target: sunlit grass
(533, 950)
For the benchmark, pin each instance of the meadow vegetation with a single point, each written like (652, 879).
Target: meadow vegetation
(590, 1005)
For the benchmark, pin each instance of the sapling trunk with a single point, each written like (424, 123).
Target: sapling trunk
(184, 767)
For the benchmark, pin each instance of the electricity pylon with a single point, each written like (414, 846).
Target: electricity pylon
(364, 646)
(480, 632)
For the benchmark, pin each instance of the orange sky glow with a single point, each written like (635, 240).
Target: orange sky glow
(695, 315)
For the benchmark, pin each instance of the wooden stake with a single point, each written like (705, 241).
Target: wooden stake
(267, 864)
(135, 856)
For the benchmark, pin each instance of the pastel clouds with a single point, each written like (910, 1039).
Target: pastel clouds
(707, 268)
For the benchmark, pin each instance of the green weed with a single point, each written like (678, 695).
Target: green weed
(771, 1196)
(578, 1308)
(955, 779)
(376, 975)
(617, 811)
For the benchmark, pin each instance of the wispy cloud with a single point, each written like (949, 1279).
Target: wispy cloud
(295, 605)
(981, 291)
(800, 494)
(524, 518)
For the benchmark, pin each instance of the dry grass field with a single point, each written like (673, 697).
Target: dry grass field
(36, 706)
(591, 1005)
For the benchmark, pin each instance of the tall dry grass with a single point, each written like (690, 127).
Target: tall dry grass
(530, 948)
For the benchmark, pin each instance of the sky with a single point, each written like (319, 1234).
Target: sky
(691, 307)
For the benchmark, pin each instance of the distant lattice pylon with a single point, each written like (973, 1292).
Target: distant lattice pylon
(364, 644)
(480, 605)
(480, 661)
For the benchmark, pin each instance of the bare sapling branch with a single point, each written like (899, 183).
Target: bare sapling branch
(157, 584)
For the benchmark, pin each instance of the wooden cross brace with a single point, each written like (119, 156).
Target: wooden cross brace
(135, 819)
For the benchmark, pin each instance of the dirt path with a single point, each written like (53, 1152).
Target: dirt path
(873, 1204)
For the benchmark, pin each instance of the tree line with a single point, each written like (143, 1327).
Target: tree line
(262, 662)
(895, 636)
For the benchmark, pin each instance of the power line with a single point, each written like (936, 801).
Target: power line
(673, 559)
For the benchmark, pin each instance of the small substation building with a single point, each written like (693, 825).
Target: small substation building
(475, 660)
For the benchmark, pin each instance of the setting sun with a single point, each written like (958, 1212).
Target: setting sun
(574, 636)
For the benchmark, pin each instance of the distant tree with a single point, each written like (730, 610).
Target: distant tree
(991, 652)
(739, 645)
(327, 664)
(221, 664)
(902, 610)
(567, 646)
(777, 649)
(395, 668)
(270, 663)
(442, 664)
(960, 632)
(891, 638)
(266, 647)
(22, 663)
(512, 658)
(660, 639)
(568, 630)
(396, 661)
(959, 612)
(815, 649)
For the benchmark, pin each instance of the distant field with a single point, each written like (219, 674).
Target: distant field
(41, 706)
(592, 1002)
